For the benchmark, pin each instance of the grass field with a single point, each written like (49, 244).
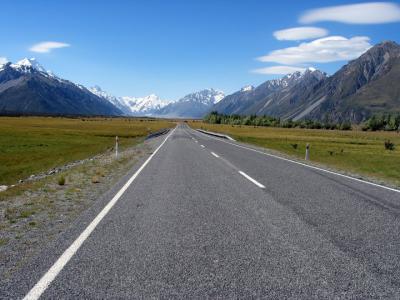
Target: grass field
(29, 145)
(354, 151)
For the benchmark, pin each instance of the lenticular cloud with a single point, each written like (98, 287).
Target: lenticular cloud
(324, 50)
(362, 13)
(46, 47)
(300, 33)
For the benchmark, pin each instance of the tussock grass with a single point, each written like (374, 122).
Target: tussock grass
(355, 151)
(95, 179)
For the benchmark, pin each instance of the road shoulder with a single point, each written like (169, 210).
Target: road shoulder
(38, 225)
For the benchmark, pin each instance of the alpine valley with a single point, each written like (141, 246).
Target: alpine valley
(363, 87)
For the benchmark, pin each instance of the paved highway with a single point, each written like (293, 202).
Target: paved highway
(210, 218)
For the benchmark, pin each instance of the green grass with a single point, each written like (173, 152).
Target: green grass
(355, 151)
(29, 145)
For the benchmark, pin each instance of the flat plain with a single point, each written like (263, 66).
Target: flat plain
(358, 152)
(29, 145)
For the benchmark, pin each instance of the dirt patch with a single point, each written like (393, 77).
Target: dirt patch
(34, 213)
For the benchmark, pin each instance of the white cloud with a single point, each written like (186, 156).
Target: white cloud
(328, 49)
(300, 33)
(3, 60)
(279, 70)
(46, 47)
(362, 13)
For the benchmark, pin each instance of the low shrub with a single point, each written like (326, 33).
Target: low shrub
(389, 145)
(61, 180)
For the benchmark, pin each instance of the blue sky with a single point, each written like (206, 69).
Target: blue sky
(172, 48)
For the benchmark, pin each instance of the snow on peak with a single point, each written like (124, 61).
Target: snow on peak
(2, 66)
(116, 101)
(29, 63)
(99, 92)
(291, 78)
(132, 105)
(145, 105)
(207, 96)
(247, 88)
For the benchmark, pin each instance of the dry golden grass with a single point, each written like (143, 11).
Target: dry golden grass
(29, 145)
(355, 151)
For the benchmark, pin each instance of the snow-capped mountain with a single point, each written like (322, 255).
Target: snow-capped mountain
(133, 106)
(116, 101)
(38, 91)
(271, 96)
(247, 88)
(355, 92)
(148, 105)
(26, 65)
(194, 105)
(207, 97)
(26, 87)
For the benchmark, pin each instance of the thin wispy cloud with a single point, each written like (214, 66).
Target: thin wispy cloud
(46, 47)
(278, 70)
(324, 50)
(3, 60)
(300, 33)
(362, 13)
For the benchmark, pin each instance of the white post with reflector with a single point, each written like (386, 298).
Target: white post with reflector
(116, 147)
(307, 152)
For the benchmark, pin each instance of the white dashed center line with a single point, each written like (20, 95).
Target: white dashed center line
(202, 146)
(216, 155)
(252, 180)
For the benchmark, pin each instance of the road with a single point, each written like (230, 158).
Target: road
(209, 218)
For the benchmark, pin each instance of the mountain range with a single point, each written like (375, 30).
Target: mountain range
(27, 88)
(365, 86)
(133, 106)
(194, 105)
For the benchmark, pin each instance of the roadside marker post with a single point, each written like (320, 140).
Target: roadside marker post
(307, 152)
(116, 147)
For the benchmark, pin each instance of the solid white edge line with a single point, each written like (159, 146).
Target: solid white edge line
(216, 134)
(252, 180)
(215, 154)
(56, 268)
(308, 166)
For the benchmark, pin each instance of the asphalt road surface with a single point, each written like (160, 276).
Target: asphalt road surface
(209, 218)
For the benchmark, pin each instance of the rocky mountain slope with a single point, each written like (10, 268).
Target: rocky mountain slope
(27, 88)
(274, 97)
(116, 101)
(363, 87)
